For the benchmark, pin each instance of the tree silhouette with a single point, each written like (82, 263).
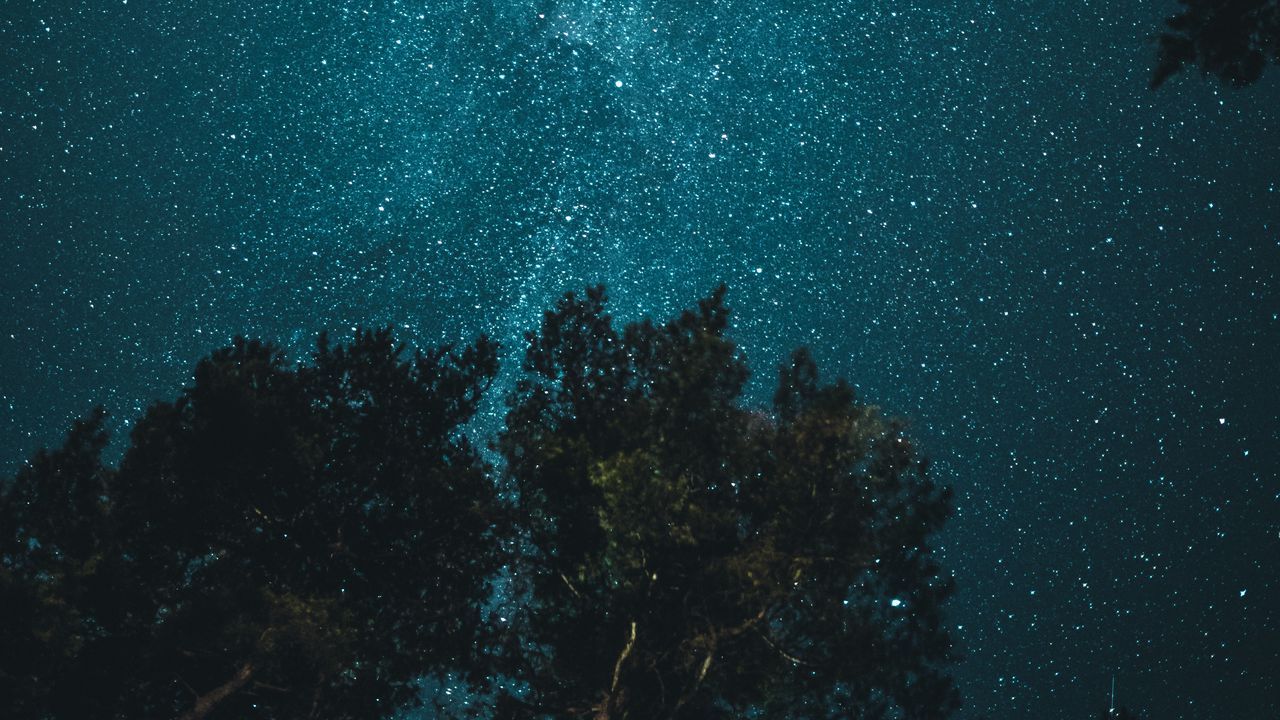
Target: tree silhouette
(310, 541)
(56, 582)
(1232, 39)
(278, 542)
(688, 558)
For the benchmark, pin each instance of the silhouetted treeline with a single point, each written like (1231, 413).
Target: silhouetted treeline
(308, 541)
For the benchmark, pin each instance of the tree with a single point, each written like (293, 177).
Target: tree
(309, 541)
(54, 577)
(690, 558)
(279, 542)
(1232, 39)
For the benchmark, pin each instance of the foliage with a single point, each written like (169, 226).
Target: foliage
(688, 558)
(278, 542)
(311, 541)
(1232, 39)
(56, 585)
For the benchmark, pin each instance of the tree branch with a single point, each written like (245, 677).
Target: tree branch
(750, 623)
(572, 589)
(617, 667)
(782, 652)
(687, 695)
(275, 688)
(207, 702)
(605, 709)
(712, 645)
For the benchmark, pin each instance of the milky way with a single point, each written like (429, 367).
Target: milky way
(977, 212)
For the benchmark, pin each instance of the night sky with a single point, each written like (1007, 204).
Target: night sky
(977, 212)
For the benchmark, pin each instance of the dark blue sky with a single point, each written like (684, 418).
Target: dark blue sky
(977, 212)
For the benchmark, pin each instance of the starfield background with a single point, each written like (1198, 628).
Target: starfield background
(977, 212)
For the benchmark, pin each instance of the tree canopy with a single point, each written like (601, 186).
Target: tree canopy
(692, 558)
(278, 542)
(1231, 39)
(310, 541)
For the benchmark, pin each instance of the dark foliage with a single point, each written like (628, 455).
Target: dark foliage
(57, 587)
(310, 541)
(688, 558)
(278, 543)
(1232, 39)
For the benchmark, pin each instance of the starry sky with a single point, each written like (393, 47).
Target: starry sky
(977, 212)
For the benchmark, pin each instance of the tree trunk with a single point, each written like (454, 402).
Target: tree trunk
(604, 711)
(208, 701)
